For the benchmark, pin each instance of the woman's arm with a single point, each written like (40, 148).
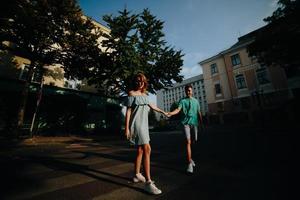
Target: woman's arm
(127, 119)
(154, 107)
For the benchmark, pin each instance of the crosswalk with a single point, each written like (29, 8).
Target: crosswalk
(93, 172)
(96, 169)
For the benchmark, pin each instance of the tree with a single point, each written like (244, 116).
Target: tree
(276, 42)
(136, 44)
(47, 32)
(174, 106)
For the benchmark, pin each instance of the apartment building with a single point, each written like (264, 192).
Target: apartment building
(236, 82)
(167, 97)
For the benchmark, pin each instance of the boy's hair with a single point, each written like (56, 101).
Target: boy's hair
(187, 87)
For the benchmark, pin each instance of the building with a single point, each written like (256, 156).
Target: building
(236, 83)
(167, 97)
(15, 67)
(61, 98)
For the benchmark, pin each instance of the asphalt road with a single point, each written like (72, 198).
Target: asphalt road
(233, 163)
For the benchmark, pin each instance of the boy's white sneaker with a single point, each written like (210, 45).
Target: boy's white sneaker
(151, 188)
(139, 178)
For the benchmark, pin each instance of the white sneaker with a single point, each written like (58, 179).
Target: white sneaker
(190, 168)
(193, 163)
(139, 178)
(151, 188)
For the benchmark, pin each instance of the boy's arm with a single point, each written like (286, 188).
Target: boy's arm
(200, 118)
(174, 112)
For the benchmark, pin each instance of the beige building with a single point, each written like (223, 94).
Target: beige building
(54, 75)
(237, 83)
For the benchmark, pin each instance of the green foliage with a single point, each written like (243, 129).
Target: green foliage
(277, 42)
(81, 51)
(136, 44)
(48, 32)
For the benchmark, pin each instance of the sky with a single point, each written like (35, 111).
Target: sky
(199, 28)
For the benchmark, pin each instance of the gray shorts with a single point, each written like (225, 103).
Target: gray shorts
(188, 129)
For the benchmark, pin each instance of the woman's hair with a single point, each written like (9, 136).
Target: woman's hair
(142, 77)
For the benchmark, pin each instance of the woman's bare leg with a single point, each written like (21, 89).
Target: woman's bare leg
(147, 153)
(138, 159)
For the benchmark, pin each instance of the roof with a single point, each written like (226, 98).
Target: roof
(98, 23)
(187, 81)
(243, 41)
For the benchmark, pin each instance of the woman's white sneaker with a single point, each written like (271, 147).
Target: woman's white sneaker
(193, 163)
(151, 188)
(190, 168)
(139, 178)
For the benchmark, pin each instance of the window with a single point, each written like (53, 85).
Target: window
(66, 84)
(235, 60)
(24, 73)
(218, 88)
(213, 69)
(37, 75)
(262, 76)
(240, 81)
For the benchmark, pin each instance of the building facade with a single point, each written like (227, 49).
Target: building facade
(167, 97)
(63, 104)
(16, 67)
(237, 83)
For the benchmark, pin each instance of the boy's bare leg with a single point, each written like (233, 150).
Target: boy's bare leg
(189, 150)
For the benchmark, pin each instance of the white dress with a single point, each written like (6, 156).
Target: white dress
(139, 127)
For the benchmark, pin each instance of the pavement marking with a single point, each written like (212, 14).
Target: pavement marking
(76, 146)
(165, 179)
(76, 178)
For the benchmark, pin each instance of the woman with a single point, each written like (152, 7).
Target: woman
(137, 130)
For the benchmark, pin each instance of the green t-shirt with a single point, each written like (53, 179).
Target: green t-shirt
(189, 111)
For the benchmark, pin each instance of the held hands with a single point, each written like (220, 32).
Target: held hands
(167, 114)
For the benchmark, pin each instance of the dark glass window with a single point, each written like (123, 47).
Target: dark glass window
(218, 88)
(213, 68)
(36, 77)
(235, 60)
(262, 76)
(240, 81)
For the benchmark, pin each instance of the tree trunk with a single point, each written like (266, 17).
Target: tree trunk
(23, 100)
